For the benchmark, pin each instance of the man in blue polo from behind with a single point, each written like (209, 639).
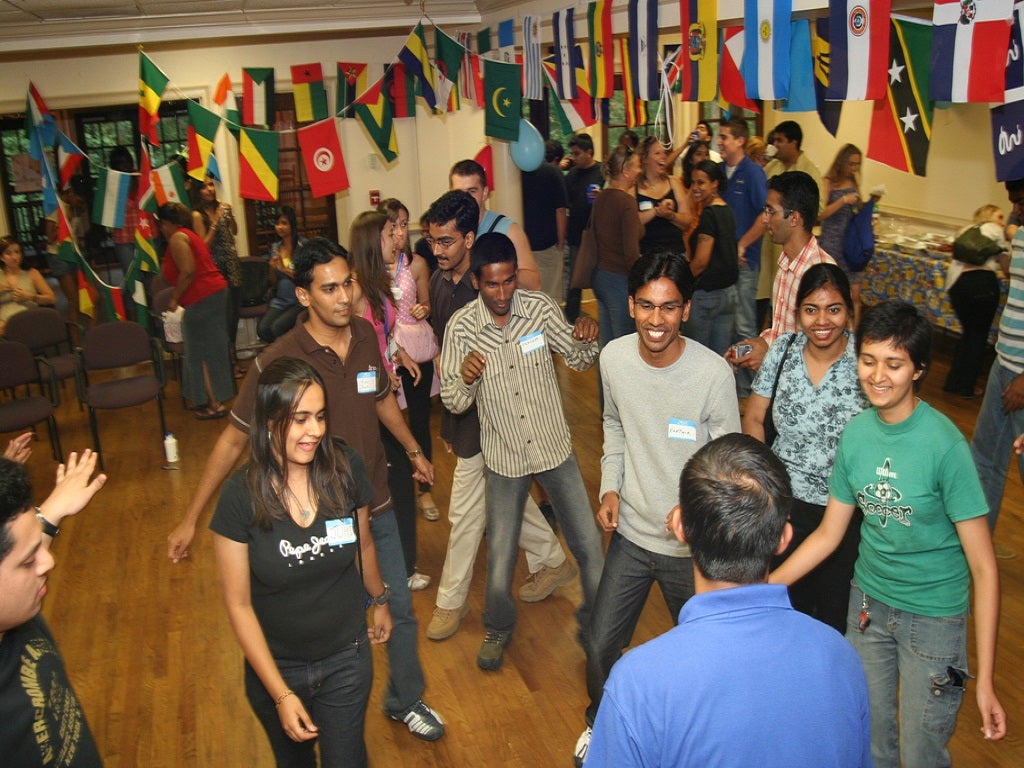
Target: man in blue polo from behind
(744, 679)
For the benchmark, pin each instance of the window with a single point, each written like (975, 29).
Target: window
(21, 189)
(712, 112)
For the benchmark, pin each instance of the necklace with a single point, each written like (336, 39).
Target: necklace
(304, 513)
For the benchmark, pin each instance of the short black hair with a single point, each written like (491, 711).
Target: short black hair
(630, 137)
(553, 150)
(15, 500)
(820, 275)
(791, 130)
(458, 206)
(735, 497)
(799, 192)
(714, 172)
(583, 141)
(1015, 185)
(316, 250)
(492, 248)
(653, 266)
(903, 326)
(176, 213)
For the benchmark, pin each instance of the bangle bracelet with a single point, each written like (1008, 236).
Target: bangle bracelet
(414, 454)
(49, 528)
(283, 696)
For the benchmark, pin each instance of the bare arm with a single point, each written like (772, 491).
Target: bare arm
(561, 226)
(529, 273)
(702, 254)
(200, 228)
(380, 630)
(390, 416)
(751, 236)
(185, 261)
(226, 450)
(976, 541)
(681, 215)
(233, 569)
(754, 415)
(820, 544)
(44, 293)
(421, 274)
(73, 490)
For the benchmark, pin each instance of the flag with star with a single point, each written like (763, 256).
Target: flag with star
(309, 93)
(901, 123)
(504, 97)
(352, 82)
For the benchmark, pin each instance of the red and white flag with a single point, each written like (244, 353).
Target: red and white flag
(322, 158)
(969, 44)
(732, 89)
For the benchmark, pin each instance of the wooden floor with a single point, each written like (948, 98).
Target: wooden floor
(154, 661)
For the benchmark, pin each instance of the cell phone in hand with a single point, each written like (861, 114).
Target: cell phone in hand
(742, 350)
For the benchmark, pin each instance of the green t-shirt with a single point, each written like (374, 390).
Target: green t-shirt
(913, 481)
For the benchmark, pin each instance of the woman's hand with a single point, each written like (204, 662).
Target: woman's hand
(380, 630)
(402, 360)
(295, 720)
(20, 448)
(420, 311)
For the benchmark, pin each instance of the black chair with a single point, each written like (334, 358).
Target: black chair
(46, 333)
(17, 368)
(256, 292)
(161, 301)
(117, 345)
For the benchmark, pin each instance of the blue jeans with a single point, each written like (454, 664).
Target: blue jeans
(629, 572)
(612, 293)
(335, 692)
(712, 318)
(923, 661)
(573, 296)
(505, 499)
(992, 444)
(405, 683)
(746, 320)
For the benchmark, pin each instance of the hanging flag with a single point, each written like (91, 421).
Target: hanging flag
(828, 111)
(202, 130)
(258, 96)
(168, 182)
(322, 158)
(1014, 89)
(227, 105)
(533, 73)
(602, 54)
(145, 253)
(352, 81)
(40, 126)
(859, 40)
(66, 250)
(400, 87)
(643, 48)
(969, 45)
(636, 109)
(146, 197)
(111, 197)
(765, 64)
(504, 97)
(901, 123)
(69, 158)
(565, 40)
(483, 41)
(95, 298)
(449, 66)
(374, 111)
(1007, 147)
(309, 92)
(466, 83)
(49, 186)
(416, 58)
(801, 69)
(258, 164)
(731, 86)
(507, 41)
(575, 114)
(698, 22)
(152, 83)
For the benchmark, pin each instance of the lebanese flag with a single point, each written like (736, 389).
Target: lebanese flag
(859, 40)
(730, 82)
(322, 158)
(969, 45)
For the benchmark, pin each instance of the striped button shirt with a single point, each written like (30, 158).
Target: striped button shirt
(786, 285)
(522, 423)
(1010, 344)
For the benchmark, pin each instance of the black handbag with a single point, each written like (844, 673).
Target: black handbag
(770, 433)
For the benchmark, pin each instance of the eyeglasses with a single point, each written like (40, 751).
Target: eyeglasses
(647, 306)
(443, 242)
(786, 212)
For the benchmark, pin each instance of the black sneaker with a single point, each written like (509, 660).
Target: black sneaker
(424, 723)
(492, 650)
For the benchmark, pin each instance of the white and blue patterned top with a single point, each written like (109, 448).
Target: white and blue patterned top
(1010, 344)
(809, 419)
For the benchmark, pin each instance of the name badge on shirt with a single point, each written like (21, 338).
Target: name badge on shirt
(366, 382)
(341, 532)
(682, 430)
(531, 342)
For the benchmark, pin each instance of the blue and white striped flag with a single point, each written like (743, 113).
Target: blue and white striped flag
(533, 73)
(766, 52)
(643, 48)
(111, 197)
(565, 41)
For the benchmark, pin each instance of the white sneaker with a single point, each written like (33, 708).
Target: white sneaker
(418, 581)
(582, 747)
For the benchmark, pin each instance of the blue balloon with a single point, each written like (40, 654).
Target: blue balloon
(528, 152)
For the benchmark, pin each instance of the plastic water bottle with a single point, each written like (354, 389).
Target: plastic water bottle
(170, 447)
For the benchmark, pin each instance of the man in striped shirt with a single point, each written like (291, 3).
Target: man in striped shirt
(497, 354)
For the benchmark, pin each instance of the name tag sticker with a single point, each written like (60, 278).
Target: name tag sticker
(341, 531)
(682, 430)
(366, 382)
(531, 342)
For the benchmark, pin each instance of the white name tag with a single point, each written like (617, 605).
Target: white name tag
(682, 430)
(531, 342)
(366, 382)
(340, 532)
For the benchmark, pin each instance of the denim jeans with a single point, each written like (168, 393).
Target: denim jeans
(505, 498)
(712, 318)
(612, 293)
(629, 572)
(573, 296)
(916, 659)
(403, 496)
(335, 692)
(992, 444)
(746, 302)
(405, 683)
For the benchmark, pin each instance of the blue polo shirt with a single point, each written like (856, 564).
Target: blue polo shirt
(746, 194)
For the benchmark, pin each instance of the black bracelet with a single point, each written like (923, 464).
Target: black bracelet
(49, 528)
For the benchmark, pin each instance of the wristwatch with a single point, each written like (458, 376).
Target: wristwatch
(384, 597)
(49, 528)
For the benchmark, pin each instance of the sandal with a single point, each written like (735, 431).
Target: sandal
(430, 512)
(206, 414)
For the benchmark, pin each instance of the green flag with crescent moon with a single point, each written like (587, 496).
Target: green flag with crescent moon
(504, 96)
